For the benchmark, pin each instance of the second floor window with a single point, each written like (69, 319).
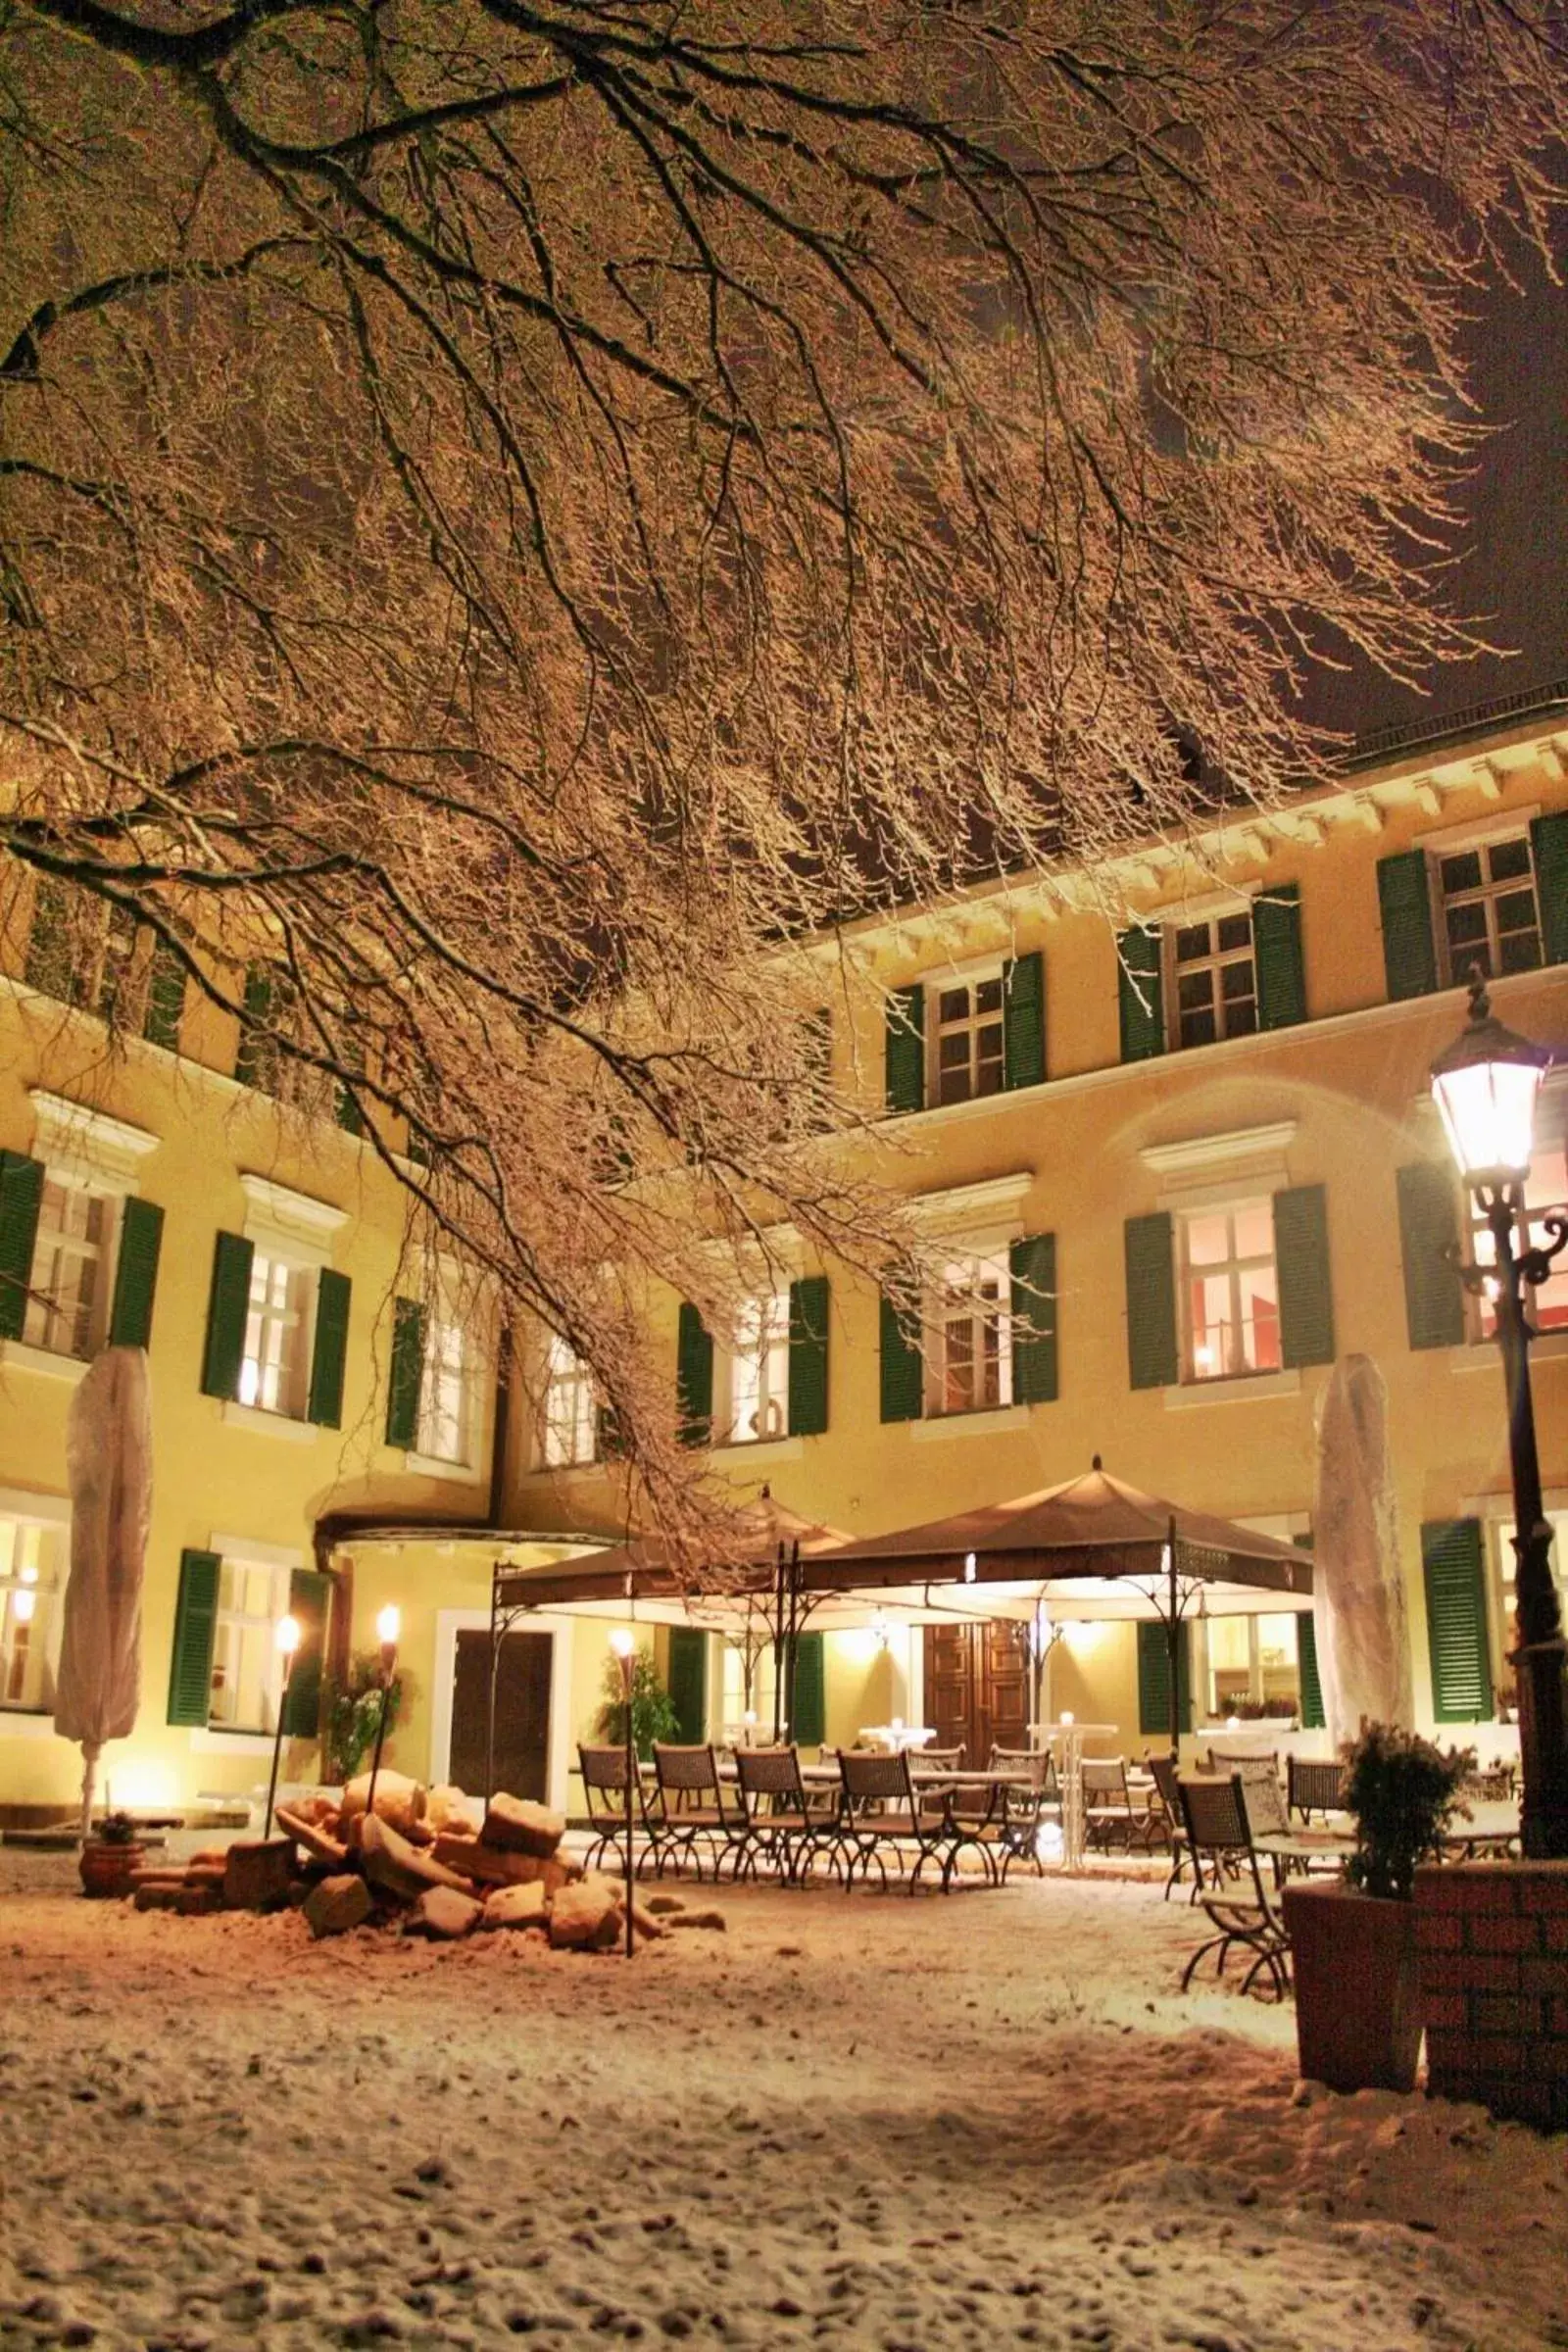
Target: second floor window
(443, 1429)
(970, 1365)
(1215, 973)
(1490, 913)
(967, 1040)
(273, 1369)
(68, 1309)
(759, 1370)
(570, 1415)
(1232, 1292)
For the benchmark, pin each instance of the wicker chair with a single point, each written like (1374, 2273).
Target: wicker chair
(1025, 1810)
(1313, 1786)
(886, 1810)
(1181, 1865)
(690, 1811)
(1108, 1818)
(1240, 1906)
(604, 1785)
(786, 1824)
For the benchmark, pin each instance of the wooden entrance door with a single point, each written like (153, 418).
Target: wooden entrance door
(978, 1686)
(522, 1713)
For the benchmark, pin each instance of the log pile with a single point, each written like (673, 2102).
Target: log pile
(416, 1861)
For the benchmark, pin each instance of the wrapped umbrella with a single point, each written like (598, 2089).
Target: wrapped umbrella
(109, 1464)
(1363, 1639)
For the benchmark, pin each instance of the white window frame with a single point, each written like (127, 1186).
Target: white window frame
(84, 1150)
(971, 1224)
(754, 1370)
(567, 1377)
(295, 1230)
(52, 1245)
(959, 1302)
(279, 1562)
(971, 977)
(1235, 1267)
(458, 1301)
(1212, 912)
(51, 1515)
(1454, 842)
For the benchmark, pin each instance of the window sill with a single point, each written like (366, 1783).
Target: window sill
(431, 1465)
(232, 1743)
(1255, 1389)
(69, 1368)
(27, 1723)
(269, 1425)
(944, 1114)
(763, 1449)
(959, 1425)
(1485, 1356)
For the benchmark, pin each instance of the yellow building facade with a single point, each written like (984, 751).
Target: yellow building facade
(1177, 1165)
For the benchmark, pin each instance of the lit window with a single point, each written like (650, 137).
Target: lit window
(570, 1416)
(70, 1277)
(273, 1370)
(969, 1367)
(1489, 914)
(1255, 1667)
(1546, 1186)
(759, 1370)
(1216, 980)
(247, 1668)
(967, 1040)
(33, 1564)
(1232, 1292)
(443, 1428)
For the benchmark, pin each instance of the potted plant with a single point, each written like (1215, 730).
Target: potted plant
(1359, 2019)
(354, 1710)
(653, 1711)
(108, 1860)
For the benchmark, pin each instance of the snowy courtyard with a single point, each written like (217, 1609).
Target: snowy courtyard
(980, 2120)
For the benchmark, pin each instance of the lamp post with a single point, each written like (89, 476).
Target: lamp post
(1485, 1086)
(388, 1626)
(622, 1643)
(285, 1640)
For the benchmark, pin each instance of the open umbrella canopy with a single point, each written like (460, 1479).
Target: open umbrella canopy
(649, 1569)
(1092, 1526)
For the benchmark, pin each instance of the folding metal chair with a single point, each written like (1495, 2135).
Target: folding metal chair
(1240, 1906)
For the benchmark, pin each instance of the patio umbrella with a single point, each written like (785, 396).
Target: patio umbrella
(1363, 1640)
(109, 1466)
(647, 1568)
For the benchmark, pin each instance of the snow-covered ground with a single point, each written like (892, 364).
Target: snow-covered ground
(983, 2120)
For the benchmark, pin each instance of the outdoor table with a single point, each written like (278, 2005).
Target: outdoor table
(1492, 1828)
(1071, 1736)
(895, 1737)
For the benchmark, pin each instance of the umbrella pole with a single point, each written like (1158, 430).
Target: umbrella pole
(779, 1648)
(90, 1774)
(1173, 1630)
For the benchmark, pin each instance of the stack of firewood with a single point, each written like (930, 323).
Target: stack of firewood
(416, 1860)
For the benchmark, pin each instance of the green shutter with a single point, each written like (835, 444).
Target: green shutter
(1277, 952)
(902, 1370)
(47, 966)
(688, 1681)
(1032, 1263)
(1456, 1620)
(1023, 1012)
(329, 1350)
(407, 1372)
(1301, 1269)
(1311, 1682)
(20, 1194)
(350, 1116)
(809, 1356)
(1153, 1362)
(1405, 902)
(808, 1725)
(1548, 844)
(904, 1052)
(165, 998)
(310, 1596)
(229, 1308)
(141, 1237)
(1429, 1229)
(256, 1060)
(190, 1671)
(1139, 995)
(694, 1378)
(1153, 1677)
(609, 1443)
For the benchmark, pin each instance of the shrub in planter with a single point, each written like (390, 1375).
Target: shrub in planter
(108, 1860)
(1359, 2019)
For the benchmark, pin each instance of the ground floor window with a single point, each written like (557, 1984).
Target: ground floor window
(33, 1575)
(1253, 1667)
(247, 1670)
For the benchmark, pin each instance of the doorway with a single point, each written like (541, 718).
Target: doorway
(977, 1685)
(523, 1712)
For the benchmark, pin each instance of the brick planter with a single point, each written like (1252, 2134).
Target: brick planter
(1493, 1945)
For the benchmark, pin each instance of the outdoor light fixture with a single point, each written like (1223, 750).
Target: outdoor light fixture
(24, 1602)
(285, 1640)
(880, 1631)
(623, 1644)
(1485, 1087)
(388, 1626)
(968, 1567)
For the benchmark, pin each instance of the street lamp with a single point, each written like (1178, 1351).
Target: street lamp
(1486, 1086)
(285, 1640)
(623, 1644)
(388, 1626)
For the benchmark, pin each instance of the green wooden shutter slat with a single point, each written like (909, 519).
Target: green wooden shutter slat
(141, 1237)
(903, 1371)
(1152, 1361)
(1405, 902)
(165, 998)
(1301, 1267)
(1032, 1264)
(1139, 995)
(1452, 1566)
(228, 1306)
(1312, 1681)
(20, 1195)
(1548, 844)
(809, 1724)
(688, 1681)
(1024, 1012)
(694, 1377)
(310, 1596)
(1429, 1228)
(330, 1351)
(190, 1669)
(407, 1376)
(1153, 1677)
(903, 1051)
(808, 1299)
(253, 1062)
(1277, 951)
